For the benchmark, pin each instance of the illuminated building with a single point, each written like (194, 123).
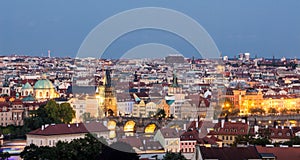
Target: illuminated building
(175, 91)
(106, 96)
(43, 89)
(245, 99)
(281, 102)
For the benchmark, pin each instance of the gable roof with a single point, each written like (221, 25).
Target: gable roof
(61, 129)
(170, 133)
(230, 128)
(281, 153)
(229, 153)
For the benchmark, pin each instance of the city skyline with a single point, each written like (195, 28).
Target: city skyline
(269, 29)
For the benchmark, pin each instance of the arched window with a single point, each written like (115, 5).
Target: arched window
(26, 93)
(47, 94)
(41, 94)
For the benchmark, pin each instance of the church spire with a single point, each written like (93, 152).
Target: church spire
(107, 78)
(175, 80)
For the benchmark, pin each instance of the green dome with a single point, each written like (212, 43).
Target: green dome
(43, 84)
(28, 98)
(27, 86)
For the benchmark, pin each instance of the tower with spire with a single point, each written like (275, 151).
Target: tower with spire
(106, 96)
(193, 64)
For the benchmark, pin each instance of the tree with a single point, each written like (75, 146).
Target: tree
(60, 113)
(66, 112)
(293, 141)
(4, 155)
(88, 147)
(234, 112)
(174, 156)
(161, 113)
(86, 116)
(120, 149)
(272, 110)
(257, 111)
(251, 140)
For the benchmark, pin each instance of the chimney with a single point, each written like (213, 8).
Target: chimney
(184, 127)
(222, 123)
(105, 123)
(282, 127)
(256, 129)
(69, 125)
(77, 124)
(276, 127)
(197, 124)
(43, 127)
(266, 126)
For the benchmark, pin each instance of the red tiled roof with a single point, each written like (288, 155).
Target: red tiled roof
(279, 133)
(281, 153)
(230, 128)
(229, 153)
(170, 132)
(60, 129)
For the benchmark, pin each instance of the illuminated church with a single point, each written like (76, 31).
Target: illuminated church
(106, 96)
(43, 89)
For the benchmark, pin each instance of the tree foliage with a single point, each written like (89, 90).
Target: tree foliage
(174, 156)
(78, 149)
(257, 111)
(4, 155)
(251, 140)
(161, 113)
(60, 113)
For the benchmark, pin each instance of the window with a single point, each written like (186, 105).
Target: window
(280, 134)
(41, 94)
(272, 134)
(49, 142)
(288, 134)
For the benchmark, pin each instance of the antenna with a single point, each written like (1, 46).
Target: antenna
(49, 53)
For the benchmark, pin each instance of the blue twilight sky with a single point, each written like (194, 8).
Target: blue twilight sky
(261, 27)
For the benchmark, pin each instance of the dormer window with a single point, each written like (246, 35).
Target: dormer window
(288, 134)
(272, 134)
(226, 130)
(279, 134)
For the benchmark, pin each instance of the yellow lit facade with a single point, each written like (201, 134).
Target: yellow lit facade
(244, 101)
(281, 104)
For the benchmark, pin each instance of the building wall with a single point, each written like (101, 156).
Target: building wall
(41, 140)
(227, 139)
(125, 107)
(187, 146)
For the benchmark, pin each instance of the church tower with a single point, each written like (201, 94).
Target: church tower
(109, 106)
